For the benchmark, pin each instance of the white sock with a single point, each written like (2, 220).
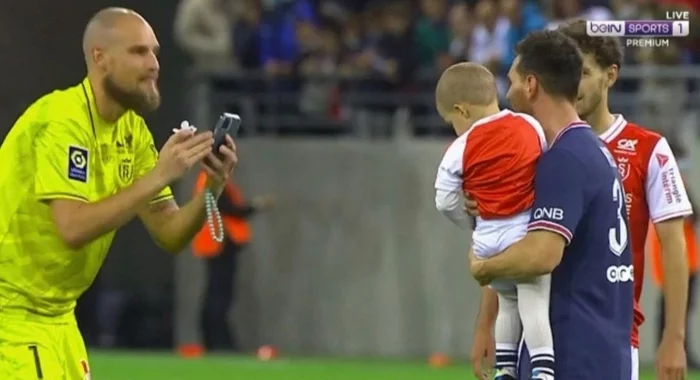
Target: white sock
(533, 304)
(542, 363)
(507, 335)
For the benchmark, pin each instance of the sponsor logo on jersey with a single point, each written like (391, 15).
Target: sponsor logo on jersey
(551, 213)
(129, 139)
(629, 198)
(621, 273)
(125, 145)
(662, 159)
(624, 166)
(627, 145)
(77, 163)
(669, 182)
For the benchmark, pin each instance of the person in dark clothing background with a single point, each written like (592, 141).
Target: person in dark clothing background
(221, 262)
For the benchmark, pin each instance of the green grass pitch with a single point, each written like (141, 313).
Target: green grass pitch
(163, 366)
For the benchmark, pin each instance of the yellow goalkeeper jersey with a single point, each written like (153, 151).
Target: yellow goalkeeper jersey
(61, 149)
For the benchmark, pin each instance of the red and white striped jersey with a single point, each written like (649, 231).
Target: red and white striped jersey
(654, 190)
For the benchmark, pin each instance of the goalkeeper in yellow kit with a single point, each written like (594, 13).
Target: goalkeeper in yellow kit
(77, 165)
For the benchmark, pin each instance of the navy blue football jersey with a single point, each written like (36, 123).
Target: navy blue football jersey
(579, 195)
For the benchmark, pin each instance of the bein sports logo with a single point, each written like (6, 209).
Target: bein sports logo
(622, 273)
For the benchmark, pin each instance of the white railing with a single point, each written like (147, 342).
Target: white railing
(268, 109)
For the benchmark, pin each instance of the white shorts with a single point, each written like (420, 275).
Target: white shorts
(635, 363)
(494, 236)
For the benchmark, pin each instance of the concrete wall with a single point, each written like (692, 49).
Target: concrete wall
(354, 260)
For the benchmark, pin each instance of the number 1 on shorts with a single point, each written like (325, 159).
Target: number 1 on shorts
(37, 363)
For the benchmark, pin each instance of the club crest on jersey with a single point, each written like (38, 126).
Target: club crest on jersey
(125, 170)
(78, 163)
(624, 167)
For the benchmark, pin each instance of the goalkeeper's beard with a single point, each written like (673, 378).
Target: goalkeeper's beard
(135, 100)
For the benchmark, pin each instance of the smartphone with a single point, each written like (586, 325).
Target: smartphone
(228, 124)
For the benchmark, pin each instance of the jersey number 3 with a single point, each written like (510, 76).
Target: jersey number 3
(618, 235)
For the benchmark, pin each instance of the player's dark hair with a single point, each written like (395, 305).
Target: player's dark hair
(606, 50)
(554, 60)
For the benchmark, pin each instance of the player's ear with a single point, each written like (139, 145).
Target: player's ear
(461, 110)
(612, 74)
(531, 86)
(99, 58)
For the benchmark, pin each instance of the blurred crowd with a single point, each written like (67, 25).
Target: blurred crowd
(385, 37)
(393, 45)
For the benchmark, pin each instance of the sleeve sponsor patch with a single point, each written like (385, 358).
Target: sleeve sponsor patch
(77, 163)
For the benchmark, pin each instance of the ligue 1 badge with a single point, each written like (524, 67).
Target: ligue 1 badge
(78, 163)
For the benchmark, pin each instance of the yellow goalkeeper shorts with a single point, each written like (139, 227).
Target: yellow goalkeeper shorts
(31, 350)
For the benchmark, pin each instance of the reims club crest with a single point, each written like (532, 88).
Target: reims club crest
(623, 165)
